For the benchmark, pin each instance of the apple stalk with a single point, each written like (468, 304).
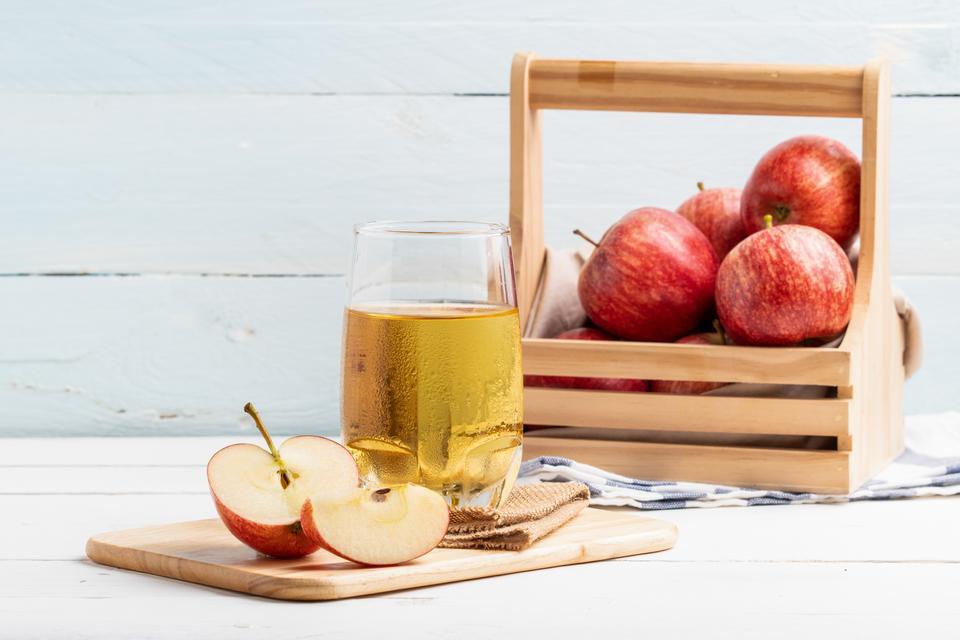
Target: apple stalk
(285, 476)
(720, 332)
(578, 232)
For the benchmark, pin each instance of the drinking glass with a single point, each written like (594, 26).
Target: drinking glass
(432, 388)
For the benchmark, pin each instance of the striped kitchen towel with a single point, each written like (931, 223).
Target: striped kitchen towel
(930, 466)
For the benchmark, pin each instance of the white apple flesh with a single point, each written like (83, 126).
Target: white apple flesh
(377, 526)
(259, 494)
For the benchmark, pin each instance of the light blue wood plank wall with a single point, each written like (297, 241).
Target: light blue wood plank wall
(178, 179)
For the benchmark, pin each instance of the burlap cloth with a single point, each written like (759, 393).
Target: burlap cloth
(556, 308)
(531, 512)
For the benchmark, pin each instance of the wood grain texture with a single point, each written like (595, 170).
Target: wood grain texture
(526, 187)
(128, 355)
(94, 452)
(816, 533)
(665, 412)
(180, 355)
(665, 361)
(273, 184)
(500, 11)
(333, 47)
(792, 600)
(94, 480)
(175, 137)
(204, 552)
(687, 87)
(808, 533)
(875, 335)
(779, 469)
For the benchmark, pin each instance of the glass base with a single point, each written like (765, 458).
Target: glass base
(492, 495)
(484, 476)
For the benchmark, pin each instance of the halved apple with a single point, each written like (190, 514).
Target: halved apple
(377, 526)
(259, 494)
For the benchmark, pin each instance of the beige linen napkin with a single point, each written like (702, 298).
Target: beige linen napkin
(531, 512)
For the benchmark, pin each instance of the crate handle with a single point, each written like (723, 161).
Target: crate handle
(685, 87)
(680, 87)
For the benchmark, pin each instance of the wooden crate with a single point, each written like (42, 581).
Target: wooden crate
(866, 369)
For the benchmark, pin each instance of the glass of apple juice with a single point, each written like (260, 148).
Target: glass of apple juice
(432, 388)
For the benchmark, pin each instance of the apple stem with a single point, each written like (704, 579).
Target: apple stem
(720, 332)
(285, 475)
(577, 232)
(781, 212)
(700, 186)
(767, 221)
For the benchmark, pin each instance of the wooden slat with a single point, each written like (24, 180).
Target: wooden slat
(701, 414)
(647, 360)
(785, 469)
(337, 47)
(789, 599)
(93, 371)
(684, 87)
(161, 199)
(711, 535)
(95, 452)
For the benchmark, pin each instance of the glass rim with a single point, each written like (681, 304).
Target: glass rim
(432, 228)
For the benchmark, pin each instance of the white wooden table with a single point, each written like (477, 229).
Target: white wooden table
(866, 570)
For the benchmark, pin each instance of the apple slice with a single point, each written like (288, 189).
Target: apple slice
(259, 494)
(377, 526)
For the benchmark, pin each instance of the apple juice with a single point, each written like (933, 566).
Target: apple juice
(432, 394)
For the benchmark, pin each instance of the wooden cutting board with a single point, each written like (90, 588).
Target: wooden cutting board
(204, 552)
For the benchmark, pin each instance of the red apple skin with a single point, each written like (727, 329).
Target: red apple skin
(603, 384)
(311, 531)
(651, 278)
(716, 212)
(274, 540)
(808, 180)
(784, 285)
(285, 540)
(690, 387)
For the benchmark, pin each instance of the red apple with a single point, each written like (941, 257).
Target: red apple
(783, 285)
(259, 494)
(690, 387)
(377, 526)
(604, 384)
(808, 180)
(716, 212)
(651, 278)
